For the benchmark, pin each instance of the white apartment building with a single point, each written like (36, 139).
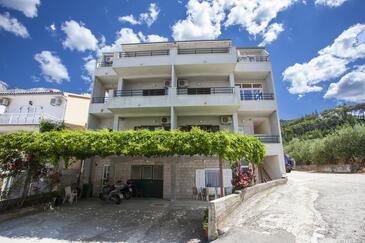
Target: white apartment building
(177, 85)
(23, 110)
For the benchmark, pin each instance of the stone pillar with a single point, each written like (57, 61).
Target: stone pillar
(116, 123)
(235, 121)
(173, 119)
(231, 80)
(173, 179)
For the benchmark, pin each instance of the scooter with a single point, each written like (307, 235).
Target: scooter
(117, 192)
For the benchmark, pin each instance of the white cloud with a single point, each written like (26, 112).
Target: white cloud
(255, 15)
(272, 33)
(144, 18)
(331, 62)
(127, 35)
(12, 25)
(205, 18)
(203, 21)
(78, 37)
(3, 86)
(351, 87)
(88, 68)
(130, 19)
(330, 3)
(28, 7)
(52, 68)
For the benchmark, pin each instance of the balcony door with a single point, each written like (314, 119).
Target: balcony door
(250, 91)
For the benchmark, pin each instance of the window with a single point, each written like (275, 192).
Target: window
(157, 172)
(147, 172)
(212, 178)
(106, 175)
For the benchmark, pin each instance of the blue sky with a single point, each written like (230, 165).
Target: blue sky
(317, 46)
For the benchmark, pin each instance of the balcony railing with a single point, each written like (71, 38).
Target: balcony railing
(204, 91)
(268, 138)
(253, 59)
(99, 100)
(25, 118)
(144, 53)
(202, 51)
(256, 96)
(140, 92)
(104, 64)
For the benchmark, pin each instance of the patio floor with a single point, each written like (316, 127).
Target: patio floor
(146, 220)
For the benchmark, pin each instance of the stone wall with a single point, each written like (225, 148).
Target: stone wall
(344, 168)
(220, 209)
(184, 176)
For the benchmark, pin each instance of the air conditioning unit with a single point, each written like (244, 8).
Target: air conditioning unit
(226, 120)
(56, 101)
(4, 101)
(164, 120)
(182, 83)
(167, 83)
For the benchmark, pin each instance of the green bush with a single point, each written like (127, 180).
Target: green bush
(346, 145)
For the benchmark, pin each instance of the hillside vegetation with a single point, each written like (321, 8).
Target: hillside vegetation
(332, 136)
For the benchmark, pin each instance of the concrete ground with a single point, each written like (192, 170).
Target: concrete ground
(312, 207)
(95, 221)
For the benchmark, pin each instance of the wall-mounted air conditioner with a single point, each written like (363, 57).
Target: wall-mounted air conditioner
(226, 120)
(164, 120)
(4, 101)
(167, 83)
(182, 83)
(56, 101)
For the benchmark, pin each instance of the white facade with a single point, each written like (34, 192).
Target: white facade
(177, 85)
(24, 110)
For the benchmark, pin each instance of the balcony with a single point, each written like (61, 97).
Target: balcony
(140, 92)
(26, 118)
(207, 98)
(253, 63)
(255, 101)
(99, 100)
(218, 60)
(189, 51)
(204, 91)
(268, 138)
(144, 53)
(134, 64)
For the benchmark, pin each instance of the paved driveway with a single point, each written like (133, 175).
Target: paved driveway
(132, 221)
(312, 207)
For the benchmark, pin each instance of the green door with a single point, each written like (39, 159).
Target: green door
(148, 180)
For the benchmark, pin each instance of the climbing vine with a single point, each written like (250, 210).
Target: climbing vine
(21, 149)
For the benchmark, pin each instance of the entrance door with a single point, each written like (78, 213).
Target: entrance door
(148, 180)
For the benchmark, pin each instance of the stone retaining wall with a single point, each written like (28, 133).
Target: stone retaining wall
(221, 208)
(345, 168)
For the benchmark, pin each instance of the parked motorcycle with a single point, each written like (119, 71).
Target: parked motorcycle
(116, 192)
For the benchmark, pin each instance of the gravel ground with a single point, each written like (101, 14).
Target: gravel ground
(97, 221)
(312, 207)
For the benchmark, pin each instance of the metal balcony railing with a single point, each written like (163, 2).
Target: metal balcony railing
(253, 59)
(25, 118)
(99, 100)
(256, 96)
(203, 51)
(204, 91)
(104, 64)
(144, 53)
(268, 138)
(140, 92)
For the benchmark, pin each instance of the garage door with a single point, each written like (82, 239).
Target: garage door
(148, 180)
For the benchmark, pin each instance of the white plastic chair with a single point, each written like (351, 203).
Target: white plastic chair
(70, 195)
